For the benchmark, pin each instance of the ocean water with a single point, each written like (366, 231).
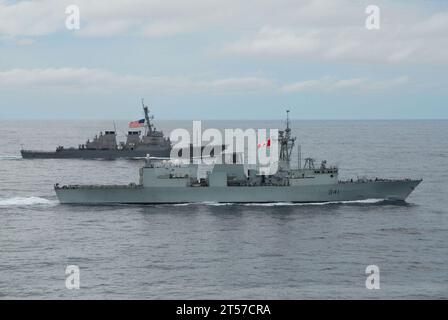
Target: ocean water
(225, 251)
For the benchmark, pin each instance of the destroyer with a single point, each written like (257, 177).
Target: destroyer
(234, 183)
(105, 146)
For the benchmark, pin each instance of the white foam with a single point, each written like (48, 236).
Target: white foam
(25, 201)
(10, 158)
(206, 203)
(217, 204)
(362, 201)
(273, 204)
(280, 204)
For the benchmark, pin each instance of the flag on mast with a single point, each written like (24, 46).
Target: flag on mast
(137, 124)
(265, 144)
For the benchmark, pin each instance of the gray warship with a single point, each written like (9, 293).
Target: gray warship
(171, 183)
(105, 146)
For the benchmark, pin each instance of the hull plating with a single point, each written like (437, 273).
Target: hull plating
(395, 190)
(95, 154)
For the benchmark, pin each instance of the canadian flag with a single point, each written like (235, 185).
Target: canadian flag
(266, 144)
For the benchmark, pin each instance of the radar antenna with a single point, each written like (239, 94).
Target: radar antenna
(309, 164)
(286, 141)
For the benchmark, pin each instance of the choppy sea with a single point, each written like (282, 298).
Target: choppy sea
(226, 251)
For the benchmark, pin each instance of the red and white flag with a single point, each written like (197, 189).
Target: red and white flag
(137, 124)
(266, 144)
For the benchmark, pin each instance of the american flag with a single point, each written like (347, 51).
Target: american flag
(137, 124)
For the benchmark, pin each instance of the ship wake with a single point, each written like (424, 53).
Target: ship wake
(26, 201)
(6, 157)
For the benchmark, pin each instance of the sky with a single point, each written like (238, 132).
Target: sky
(232, 59)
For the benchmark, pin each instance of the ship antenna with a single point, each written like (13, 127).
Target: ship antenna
(287, 142)
(148, 120)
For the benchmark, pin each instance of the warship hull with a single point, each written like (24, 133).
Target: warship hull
(95, 154)
(397, 190)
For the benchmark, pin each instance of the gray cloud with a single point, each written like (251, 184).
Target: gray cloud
(97, 80)
(332, 84)
(311, 29)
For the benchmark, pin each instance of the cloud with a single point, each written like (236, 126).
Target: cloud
(334, 31)
(331, 84)
(31, 18)
(309, 29)
(115, 17)
(25, 42)
(389, 45)
(103, 80)
(97, 79)
(272, 42)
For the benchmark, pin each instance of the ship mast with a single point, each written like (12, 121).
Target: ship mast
(286, 141)
(147, 118)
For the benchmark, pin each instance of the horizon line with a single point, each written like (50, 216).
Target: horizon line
(227, 119)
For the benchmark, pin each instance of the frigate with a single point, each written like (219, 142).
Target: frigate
(173, 182)
(105, 146)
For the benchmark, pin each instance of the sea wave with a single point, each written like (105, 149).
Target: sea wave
(25, 201)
